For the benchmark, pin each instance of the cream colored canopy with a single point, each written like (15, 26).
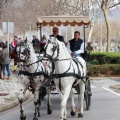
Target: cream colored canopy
(63, 20)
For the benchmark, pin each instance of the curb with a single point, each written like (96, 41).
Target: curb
(13, 104)
(104, 77)
(100, 78)
(116, 87)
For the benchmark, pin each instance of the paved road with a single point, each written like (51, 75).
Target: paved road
(105, 106)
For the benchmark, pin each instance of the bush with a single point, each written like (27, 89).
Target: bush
(104, 70)
(94, 62)
(106, 57)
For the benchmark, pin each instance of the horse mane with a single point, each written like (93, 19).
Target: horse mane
(30, 45)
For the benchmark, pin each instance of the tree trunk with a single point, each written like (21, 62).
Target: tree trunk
(90, 33)
(0, 8)
(105, 11)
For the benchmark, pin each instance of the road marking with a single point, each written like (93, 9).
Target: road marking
(93, 86)
(111, 91)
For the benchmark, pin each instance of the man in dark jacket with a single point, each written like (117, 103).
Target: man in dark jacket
(76, 45)
(35, 40)
(36, 43)
(55, 34)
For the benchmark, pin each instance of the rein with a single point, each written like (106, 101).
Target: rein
(24, 71)
(66, 73)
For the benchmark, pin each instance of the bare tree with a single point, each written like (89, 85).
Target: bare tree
(2, 2)
(105, 5)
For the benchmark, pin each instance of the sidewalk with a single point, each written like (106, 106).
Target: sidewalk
(113, 85)
(9, 91)
(116, 87)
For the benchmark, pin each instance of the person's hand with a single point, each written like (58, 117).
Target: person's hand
(73, 54)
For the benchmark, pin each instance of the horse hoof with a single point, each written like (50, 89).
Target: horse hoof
(35, 118)
(64, 119)
(73, 113)
(49, 112)
(38, 114)
(80, 115)
(22, 117)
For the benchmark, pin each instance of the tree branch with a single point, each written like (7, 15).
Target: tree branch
(98, 3)
(114, 5)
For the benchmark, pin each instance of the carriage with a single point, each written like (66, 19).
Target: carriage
(72, 21)
(33, 70)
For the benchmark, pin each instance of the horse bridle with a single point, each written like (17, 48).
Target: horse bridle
(26, 53)
(50, 57)
(55, 47)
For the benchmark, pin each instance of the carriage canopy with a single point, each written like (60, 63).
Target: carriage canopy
(63, 20)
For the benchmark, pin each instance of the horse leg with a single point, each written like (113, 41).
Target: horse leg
(21, 99)
(49, 110)
(63, 115)
(36, 102)
(58, 90)
(72, 103)
(81, 98)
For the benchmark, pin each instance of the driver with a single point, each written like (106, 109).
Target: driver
(76, 45)
(55, 34)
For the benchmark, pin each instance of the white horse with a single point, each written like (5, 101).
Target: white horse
(32, 75)
(68, 72)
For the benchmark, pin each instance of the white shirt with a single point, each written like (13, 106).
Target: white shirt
(81, 50)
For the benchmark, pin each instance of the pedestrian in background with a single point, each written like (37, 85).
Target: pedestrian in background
(5, 62)
(0, 63)
(13, 52)
(43, 43)
(35, 43)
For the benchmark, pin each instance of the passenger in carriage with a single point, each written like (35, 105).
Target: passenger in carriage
(76, 45)
(56, 34)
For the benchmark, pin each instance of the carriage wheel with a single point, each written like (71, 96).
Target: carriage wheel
(88, 94)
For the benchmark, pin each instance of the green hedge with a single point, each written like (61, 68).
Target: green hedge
(105, 57)
(104, 70)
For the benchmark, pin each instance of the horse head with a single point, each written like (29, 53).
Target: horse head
(23, 52)
(52, 48)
